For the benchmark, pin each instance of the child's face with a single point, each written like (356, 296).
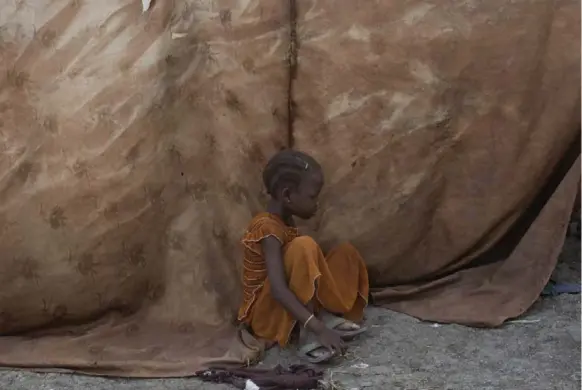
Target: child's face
(303, 202)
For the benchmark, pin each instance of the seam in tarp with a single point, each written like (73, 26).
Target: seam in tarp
(292, 69)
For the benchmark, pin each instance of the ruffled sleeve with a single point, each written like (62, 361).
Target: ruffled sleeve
(262, 228)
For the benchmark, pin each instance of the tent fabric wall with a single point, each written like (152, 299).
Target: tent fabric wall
(438, 127)
(132, 145)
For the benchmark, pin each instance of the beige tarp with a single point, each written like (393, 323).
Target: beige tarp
(132, 144)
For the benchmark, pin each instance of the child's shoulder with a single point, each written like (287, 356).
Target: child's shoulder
(265, 219)
(267, 224)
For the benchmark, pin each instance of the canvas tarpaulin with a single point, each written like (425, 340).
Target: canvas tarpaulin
(132, 146)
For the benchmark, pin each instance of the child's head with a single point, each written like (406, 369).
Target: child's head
(294, 179)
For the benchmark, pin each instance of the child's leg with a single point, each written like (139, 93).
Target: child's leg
(341, 280)
(268, 319)
(337, 283)
(346, 287)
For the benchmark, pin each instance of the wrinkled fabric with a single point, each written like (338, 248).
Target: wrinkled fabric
(132, 145)
(336, 282)
(124, 178)
(254, 272)
(438, 125)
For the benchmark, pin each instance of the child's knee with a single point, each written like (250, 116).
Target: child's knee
(304, 243)
(346, 247)
(303, 248)
(344, 251)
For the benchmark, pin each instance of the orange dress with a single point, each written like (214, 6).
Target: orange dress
(338, 281)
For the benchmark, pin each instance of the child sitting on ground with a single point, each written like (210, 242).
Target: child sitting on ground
(286, 277)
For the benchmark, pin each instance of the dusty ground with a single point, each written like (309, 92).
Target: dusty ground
(540, 351)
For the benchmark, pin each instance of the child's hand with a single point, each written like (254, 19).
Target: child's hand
(331, 340)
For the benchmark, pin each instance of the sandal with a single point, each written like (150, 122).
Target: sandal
(312, 350)
(315, 353)
(348, 330)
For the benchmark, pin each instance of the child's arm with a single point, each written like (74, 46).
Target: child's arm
(276, 273)
(280, 290)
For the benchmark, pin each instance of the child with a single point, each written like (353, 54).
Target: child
(286, 278)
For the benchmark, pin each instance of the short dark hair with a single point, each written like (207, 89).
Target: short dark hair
(287, 167)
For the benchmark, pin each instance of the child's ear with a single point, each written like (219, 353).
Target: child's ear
(286, 195)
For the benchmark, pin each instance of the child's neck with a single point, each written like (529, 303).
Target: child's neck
(277, 208)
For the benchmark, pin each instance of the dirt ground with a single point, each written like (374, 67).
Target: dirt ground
(539, 351)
